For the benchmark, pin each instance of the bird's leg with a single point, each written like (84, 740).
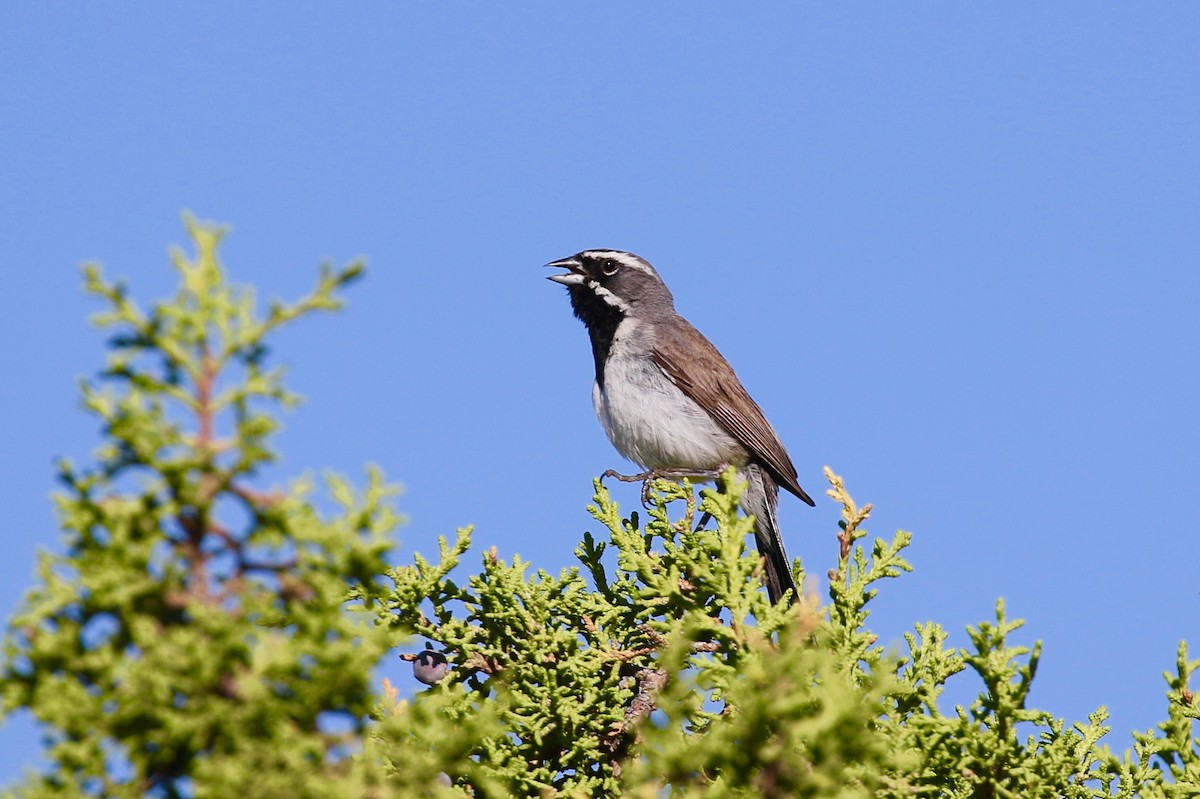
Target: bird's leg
(705, 519)
(629, 478)
(646, 478)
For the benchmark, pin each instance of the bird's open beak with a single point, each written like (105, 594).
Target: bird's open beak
(573, 277)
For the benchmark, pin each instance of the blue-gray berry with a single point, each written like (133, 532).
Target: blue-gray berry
(430, 667)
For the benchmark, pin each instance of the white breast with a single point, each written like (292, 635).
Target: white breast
(649, 420)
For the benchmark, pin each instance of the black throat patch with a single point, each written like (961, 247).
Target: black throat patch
(601, 320)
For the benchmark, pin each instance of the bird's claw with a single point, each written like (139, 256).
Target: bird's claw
(646, 478)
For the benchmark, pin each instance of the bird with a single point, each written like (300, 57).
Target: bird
(669, 401)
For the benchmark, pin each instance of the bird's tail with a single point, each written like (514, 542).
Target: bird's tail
(761, 500)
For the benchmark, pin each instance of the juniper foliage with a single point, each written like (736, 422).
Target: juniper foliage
(201, 635)
(191, 638)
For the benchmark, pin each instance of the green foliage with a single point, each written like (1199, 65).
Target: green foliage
(676, 677)
(192, 639)
(198, 636)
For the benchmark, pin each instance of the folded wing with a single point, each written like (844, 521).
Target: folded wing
(717, 389)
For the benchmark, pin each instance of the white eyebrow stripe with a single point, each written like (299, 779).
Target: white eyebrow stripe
(627, 259)
(608, 296)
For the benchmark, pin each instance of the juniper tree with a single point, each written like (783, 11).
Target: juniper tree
(201, 634)
(669, 672)
(191, 638)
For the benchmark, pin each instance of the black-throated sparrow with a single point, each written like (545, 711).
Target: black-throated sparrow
(667, 398)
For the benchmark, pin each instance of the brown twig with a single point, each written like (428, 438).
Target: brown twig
(256, 499)
(479, 662)
(204, 391)
(220, 532)
(193, 525)
(617, 738)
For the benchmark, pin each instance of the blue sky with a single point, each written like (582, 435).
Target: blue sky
(951, 249)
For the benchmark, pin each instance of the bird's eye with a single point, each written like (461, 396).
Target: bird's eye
(609, 267)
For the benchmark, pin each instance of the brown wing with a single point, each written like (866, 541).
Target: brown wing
(701, 372)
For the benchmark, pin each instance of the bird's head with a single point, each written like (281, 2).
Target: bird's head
(608, 283)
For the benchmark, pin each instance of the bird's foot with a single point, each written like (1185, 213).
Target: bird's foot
(646, 478)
